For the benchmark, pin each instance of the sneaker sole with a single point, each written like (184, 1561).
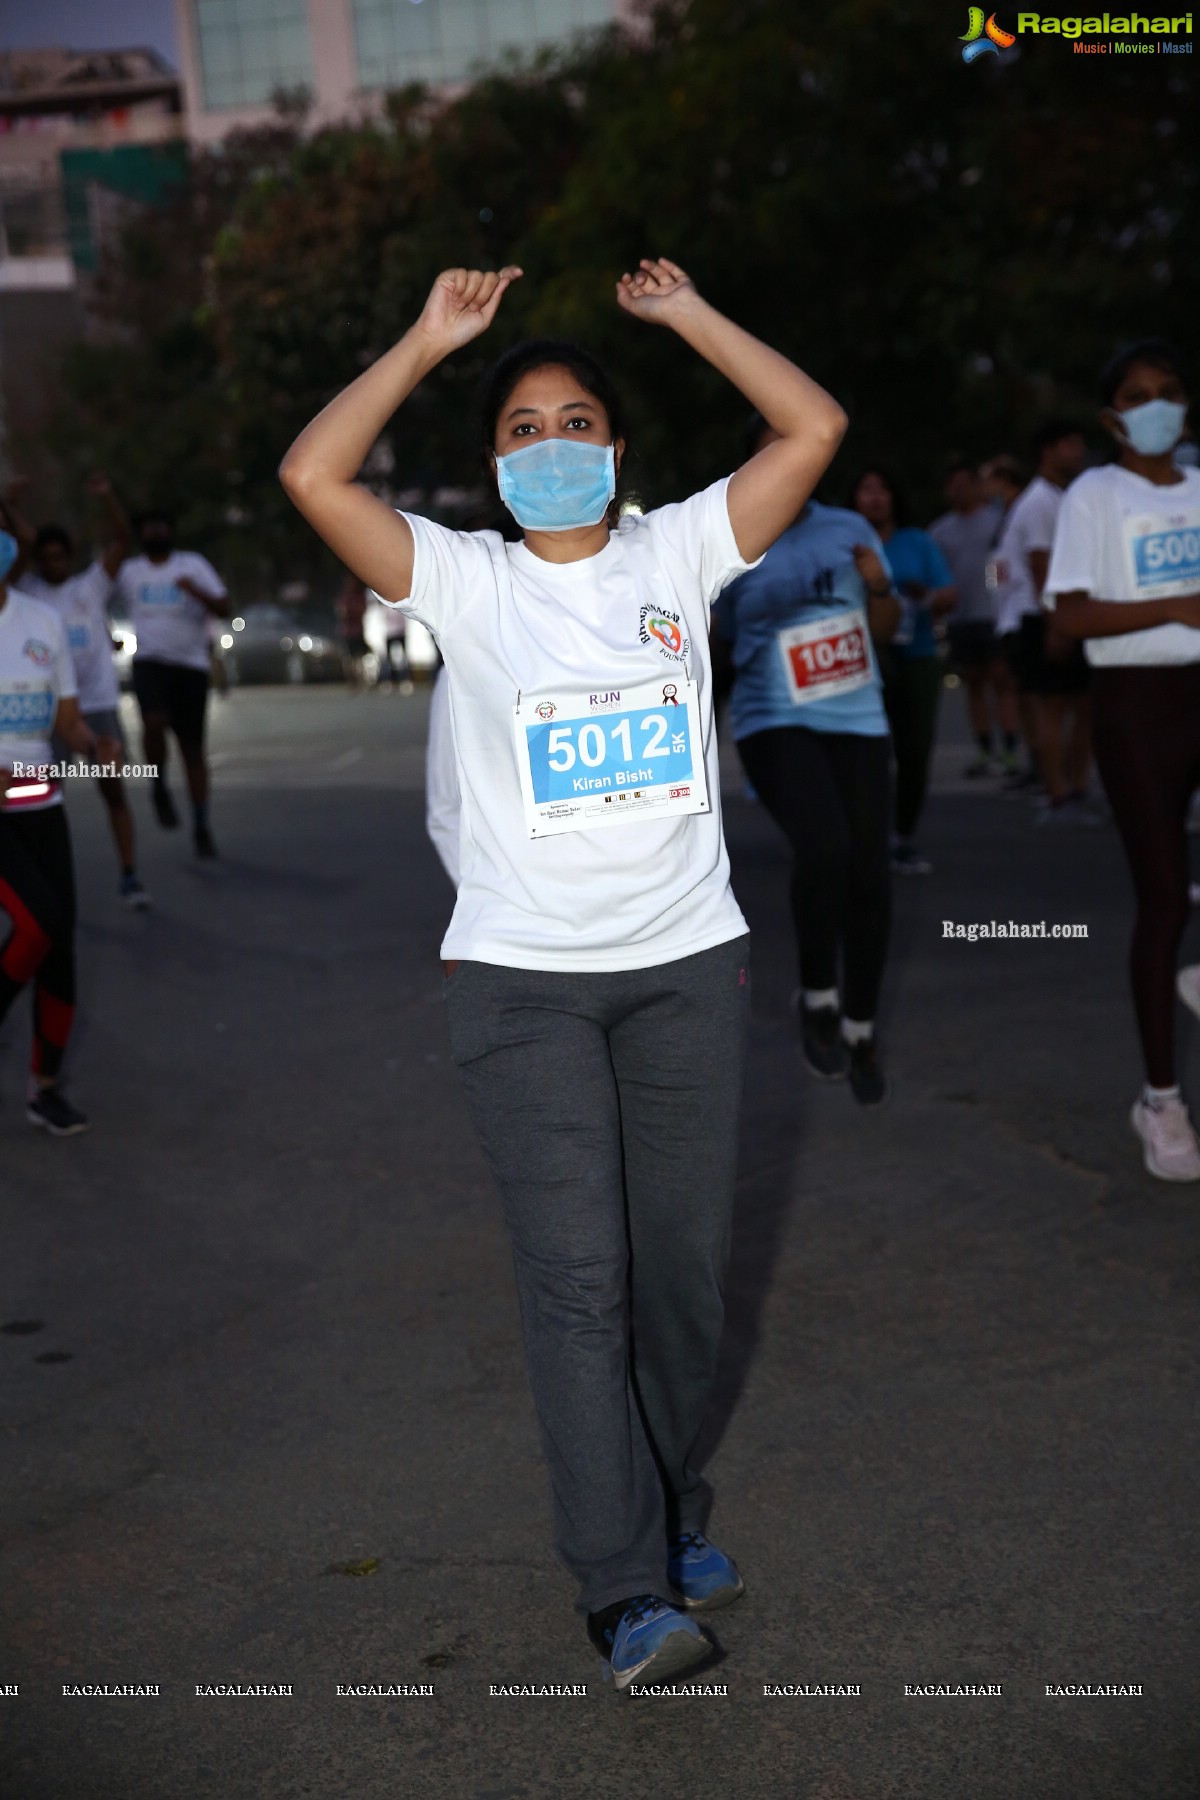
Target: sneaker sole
(678, 1652)
(824, 1074)
(874, 1104)
(1151, 1166)
(56, 1130)
(722, 1597)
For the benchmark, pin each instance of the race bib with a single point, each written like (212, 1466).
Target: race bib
(1164, 559)
(26, 712)
(160, 594)
(826, 658)
(587, 761)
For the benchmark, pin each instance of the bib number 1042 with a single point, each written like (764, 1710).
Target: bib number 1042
(588, 743)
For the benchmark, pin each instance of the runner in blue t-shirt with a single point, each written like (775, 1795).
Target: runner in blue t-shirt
(914, 677)
(808, 719)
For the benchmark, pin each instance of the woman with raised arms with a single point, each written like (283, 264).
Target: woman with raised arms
(597, 975)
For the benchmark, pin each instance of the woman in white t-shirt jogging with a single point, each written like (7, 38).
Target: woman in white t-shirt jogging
(597, 977)
(1124, 575)
(38, 703)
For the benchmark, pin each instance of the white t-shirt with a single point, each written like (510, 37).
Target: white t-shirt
(1028, 527)
(170, 626)
(81, 602)
(35, 674)
(443, 806)
(1121, 537)
(509, 623)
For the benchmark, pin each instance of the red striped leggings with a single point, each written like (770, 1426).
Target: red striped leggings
(37, 892)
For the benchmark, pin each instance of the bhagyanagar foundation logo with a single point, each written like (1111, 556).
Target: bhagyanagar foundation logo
(1120, 34)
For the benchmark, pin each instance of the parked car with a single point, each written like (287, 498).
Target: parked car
(124, 645)
(270, 644)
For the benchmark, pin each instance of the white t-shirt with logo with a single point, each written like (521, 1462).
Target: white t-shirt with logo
(169, 624)
(1028, 527)
(509, 623)
(36, 672)
(81, 602)
(1121, 537)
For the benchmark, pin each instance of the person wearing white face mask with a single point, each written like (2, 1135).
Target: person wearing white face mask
(597, 976)
(1125, 576)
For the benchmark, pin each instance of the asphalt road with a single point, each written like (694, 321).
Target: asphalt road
(276, 1338)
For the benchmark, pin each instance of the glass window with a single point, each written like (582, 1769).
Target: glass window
(442, 40)
(248, 48)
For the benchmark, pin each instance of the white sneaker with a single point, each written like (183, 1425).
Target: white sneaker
(1187, 982)
(1169, 1143)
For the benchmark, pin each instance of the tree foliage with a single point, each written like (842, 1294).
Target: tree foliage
(953, 250)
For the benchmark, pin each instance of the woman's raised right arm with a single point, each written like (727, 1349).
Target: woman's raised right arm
(319, 471)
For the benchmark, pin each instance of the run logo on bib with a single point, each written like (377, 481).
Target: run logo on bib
(826, 658)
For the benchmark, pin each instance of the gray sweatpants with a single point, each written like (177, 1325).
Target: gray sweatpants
(607, 1106)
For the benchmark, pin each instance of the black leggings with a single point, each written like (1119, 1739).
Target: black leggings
(37, 891)
(828, 793)
(911, 694)
(1146, 737)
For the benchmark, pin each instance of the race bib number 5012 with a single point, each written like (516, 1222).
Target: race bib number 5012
(587, 761)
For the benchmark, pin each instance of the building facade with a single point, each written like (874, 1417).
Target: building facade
(80, 133)
(235, 55)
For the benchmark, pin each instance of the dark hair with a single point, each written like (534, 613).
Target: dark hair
(1053, 431)
(1006, 467)
(958, 464)
(900, 513)
(1159, 352)
(552, 353)
(53, 534)
(154, 515)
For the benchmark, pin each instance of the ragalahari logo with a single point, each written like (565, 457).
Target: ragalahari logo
(983, 38)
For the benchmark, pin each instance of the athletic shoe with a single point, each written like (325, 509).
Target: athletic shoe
(1169, 1143)
(820, 1035)
(868, 1083)
(50, 1110)
(701, 1576)
(1187, 982)
(979, 767)
(1010, 764)
(908, 860)
(1023, 783)
(164, 806)
(202, 838)
(645, 1639)
(1066, 812)
(133, 893)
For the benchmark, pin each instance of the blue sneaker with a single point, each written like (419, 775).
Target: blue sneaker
(645, 1639)
(701, 1576)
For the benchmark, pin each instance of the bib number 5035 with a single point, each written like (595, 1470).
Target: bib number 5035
(588, 743)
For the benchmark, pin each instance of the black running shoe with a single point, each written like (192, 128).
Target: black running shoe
(202, 838)
(868, 1083)
(824, 1051)
(164, 806)
(53, 1112)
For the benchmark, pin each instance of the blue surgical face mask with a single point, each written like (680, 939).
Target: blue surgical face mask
(557, 484)
(1155, 427)
(9, 552)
